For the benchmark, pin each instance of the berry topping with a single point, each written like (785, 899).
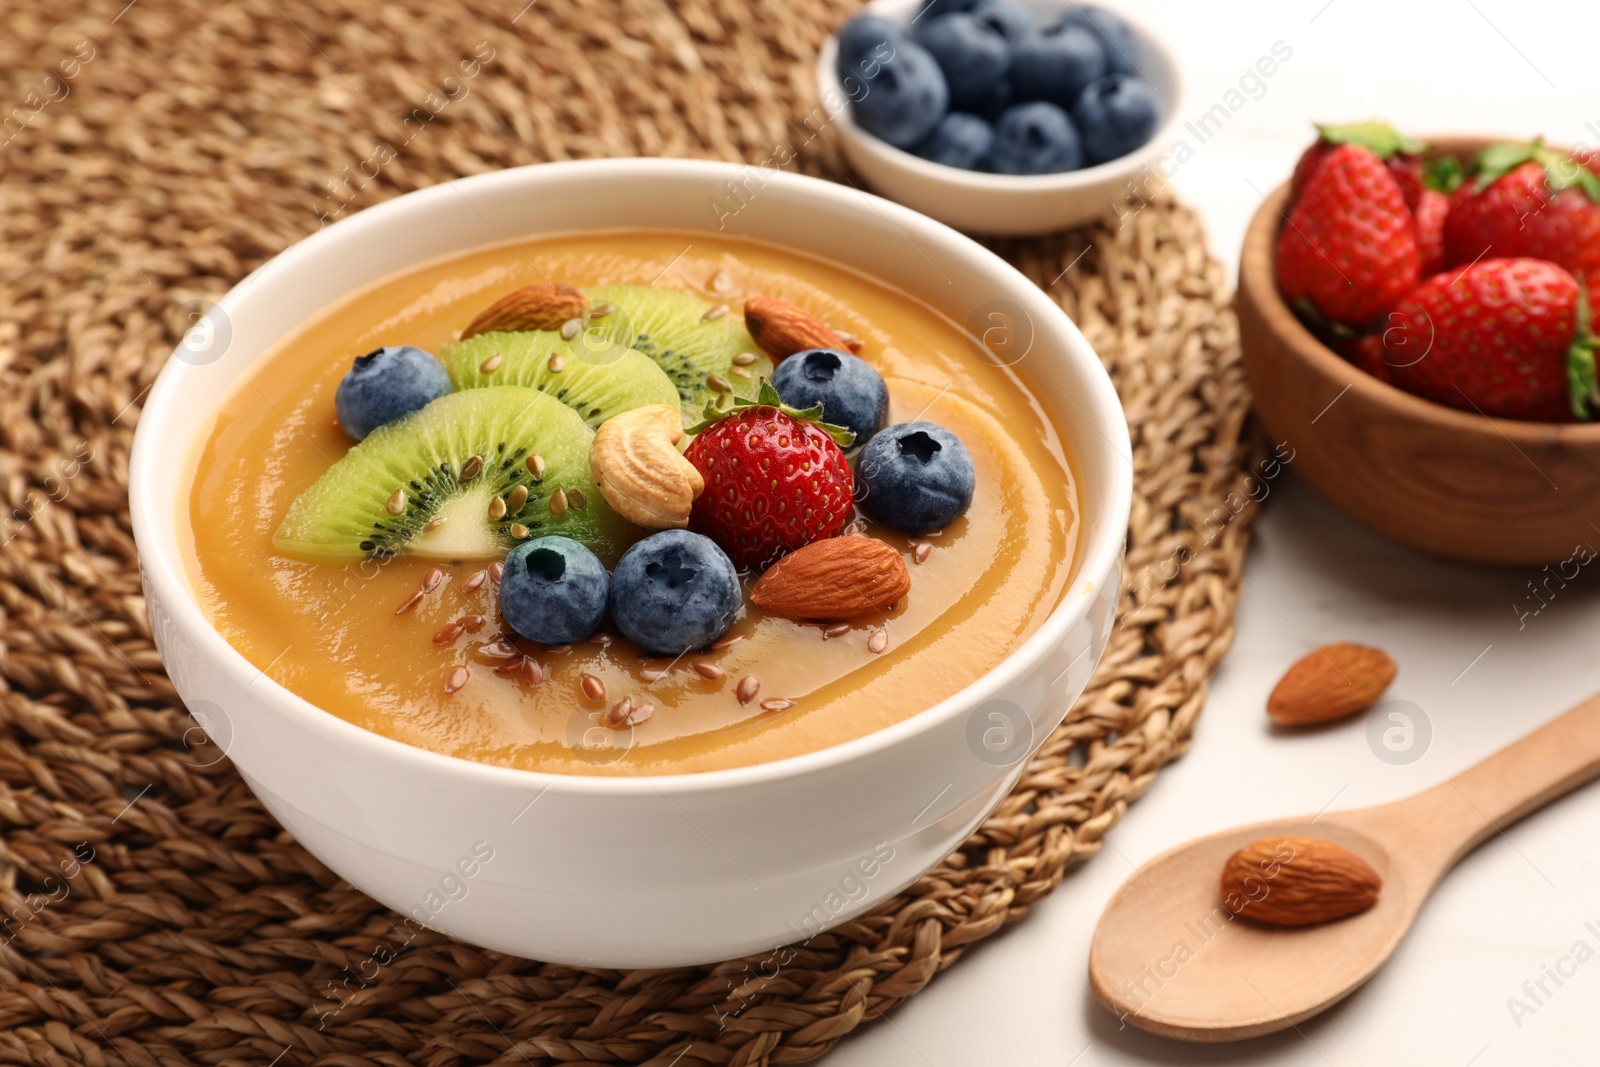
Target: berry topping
(553, 590)
(674, 592)
(388, 384)
(775, 479)
(850, 393)
(916, 477)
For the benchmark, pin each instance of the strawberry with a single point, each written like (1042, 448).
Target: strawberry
(776, 478)
(1432, 209)
(1504, 337)
(1526, 200)
(1398, 152)
(1348, 250)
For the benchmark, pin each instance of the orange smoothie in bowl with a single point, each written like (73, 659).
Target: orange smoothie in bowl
(375, 593)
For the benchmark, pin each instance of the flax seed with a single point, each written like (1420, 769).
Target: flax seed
(557, 364)
(431, 580)
(747, 689)
(447, 634)
(513, 663)
(457, 679)
(838, 629)
(652, 674)
(499, 648)
(714, 314)
(471, 623)
(744, 359)
(741, 372)
(533, 671)
(718, 384)
(496, 569)
(721, 283)
(593, 688)
(411, 602)
(473, 584)
(641, 714)
(709, 671)
(576, 499)
(922, 552)
(776, 704)
(727, 642)
(471, 469)
(617, 717)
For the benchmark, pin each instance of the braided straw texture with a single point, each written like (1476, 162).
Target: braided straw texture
(153, 155)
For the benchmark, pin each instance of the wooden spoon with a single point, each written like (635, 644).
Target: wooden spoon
(1168, 957)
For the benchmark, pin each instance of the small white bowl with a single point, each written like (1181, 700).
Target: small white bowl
(1006, 204)
(645, 871)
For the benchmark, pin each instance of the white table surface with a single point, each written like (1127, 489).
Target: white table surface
(1520, 903)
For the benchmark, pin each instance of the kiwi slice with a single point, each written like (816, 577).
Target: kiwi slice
(687, 339)
(427, 485)
(595, 380)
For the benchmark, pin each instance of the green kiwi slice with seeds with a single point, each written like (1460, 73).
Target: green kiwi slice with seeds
(596, 381)
(427, 485)
(703, 347)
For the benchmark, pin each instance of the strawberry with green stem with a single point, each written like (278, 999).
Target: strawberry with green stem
(1502, 337)
(776, 478)
(1348, 249)
(1526, 200)
(1400, 155)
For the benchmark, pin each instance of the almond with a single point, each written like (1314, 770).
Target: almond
(838, 578)
(640, 472)
(1332, 682)
(546, 306)
(1297, 881)
(781, 329)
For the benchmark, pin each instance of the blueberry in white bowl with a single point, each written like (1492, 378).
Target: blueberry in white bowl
(387, 384)
(1115, 115)
(1036, 138)
(1116, 37)
(851, 393)
(1057, 63)
(1009, 20)
(972, 55)
(906, 97)
(553, 590)
(916, 477)
(960, 140)
(673, 592)
(865, 43)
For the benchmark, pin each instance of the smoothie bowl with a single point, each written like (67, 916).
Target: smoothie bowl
(493, 620)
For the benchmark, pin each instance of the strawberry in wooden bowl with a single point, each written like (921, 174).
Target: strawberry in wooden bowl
(1415, 325)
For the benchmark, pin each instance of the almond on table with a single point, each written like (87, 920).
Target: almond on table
(1330, 683)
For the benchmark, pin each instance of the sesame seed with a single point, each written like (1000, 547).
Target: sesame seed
(569, 330)
(535, 463)
(878, 642)
(558, 503)
(471, 469)
(714, 314)
(557, 364)
(396, 504)
(744, 359)
(492, 364)
(497, 509)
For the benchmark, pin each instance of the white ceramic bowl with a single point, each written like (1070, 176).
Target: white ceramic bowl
(1003, 203)
(611, 871)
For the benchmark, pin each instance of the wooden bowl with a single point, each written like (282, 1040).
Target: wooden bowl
(1454, 483)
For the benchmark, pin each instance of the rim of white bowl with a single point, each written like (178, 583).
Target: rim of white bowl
(165, 569)
(975, 181)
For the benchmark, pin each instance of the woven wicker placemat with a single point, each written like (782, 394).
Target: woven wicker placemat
(155, 153)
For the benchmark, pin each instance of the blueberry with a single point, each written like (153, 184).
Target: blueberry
(553, 590)
(1116, 37)
(673, 592)
(1055, 64)
(851, 393)
(972, 55)
(1009, 20)
(386, 384)
(915, 477)
(1115, 115)
(864, 40)
(906, 99)
(960, 140)
(1036, 138)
